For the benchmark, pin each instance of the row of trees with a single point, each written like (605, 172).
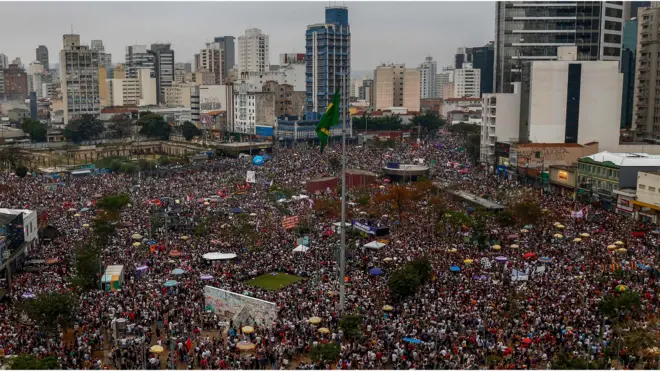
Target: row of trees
(429, 123)
(406, 280)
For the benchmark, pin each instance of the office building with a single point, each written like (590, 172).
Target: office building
(164, 64)
(42, 56)
(15, 81)
(499, 122)
(635, 5)
(4, 61)
(210, 60)
(483, 59)
(627, 67)
(288, 102)
(36, 78)
(442, 79)
(528, 31)
(195, 105)
(646, 109)
(17, 61)
(138, 56)
(105, 59)
(393, 87)
(253, 51)
(289, 58)
(79, 78)
(227, 45)
(467, 82)
(428, 71)
(178, 95)
(139, 91)
(365, 91)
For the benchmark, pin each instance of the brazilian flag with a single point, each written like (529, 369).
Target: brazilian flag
(330, 118)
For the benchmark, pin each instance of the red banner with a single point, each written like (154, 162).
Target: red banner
(290, 222)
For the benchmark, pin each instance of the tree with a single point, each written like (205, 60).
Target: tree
(464, 129)
(528, 212)
(35, 129)
(88, 267)
(473, 146)
(114, 203)
(86, 127)
(21, 171)
(31, 362)
(429, 123)
(189, 130)
(505, 218)
(614, 305)
(350, 325)
(423, 268)
(404, 282)
(121, 126)
(456, 220)
(11, 156)
(154, 125)
(127, 168)
(398, 196)
(325, 352)
(50, 310)
(390, 122)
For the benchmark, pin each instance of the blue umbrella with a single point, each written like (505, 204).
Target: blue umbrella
(258, 160)
(84, 209)
(454, 268)
(178, 271)
(412, 341)
(545, 259)
(528, 226)
(237, 210)
(644, 267)
(170, 283)
(376, 271)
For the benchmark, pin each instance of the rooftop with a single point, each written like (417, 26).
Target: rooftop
(550, 145)
(462, 100)
(624, 159)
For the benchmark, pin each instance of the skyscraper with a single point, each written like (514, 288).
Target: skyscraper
(42, 56)
(646, 109)
(137, 56)
(253, 51)
(210, 60)
(105, 59)
(164, 64)
(328, 63)
(79, 76)
(483, 59)
(627, 68)
(526, 31)
(4, 61)
(396, 86)
(229, 61)
(428, 71)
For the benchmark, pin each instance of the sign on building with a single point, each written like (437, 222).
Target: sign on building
(241, 308)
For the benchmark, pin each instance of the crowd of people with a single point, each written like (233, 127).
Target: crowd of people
(472, 317)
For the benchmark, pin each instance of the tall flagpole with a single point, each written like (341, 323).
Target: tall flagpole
(342, 251)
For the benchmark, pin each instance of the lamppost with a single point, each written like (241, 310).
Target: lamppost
(6, 254)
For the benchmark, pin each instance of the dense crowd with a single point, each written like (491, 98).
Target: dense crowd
(474, 318)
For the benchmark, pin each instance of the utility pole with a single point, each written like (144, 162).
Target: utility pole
(342, 251)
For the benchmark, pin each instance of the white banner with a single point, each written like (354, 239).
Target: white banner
(243, 309)
(251, 177)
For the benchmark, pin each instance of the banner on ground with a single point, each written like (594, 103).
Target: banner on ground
(364, 228)
(250, 177)
(290, 222)
(242, 309)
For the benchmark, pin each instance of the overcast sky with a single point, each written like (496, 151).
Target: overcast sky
(403, 32)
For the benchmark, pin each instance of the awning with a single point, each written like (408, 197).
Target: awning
(644, 204)
(80, 172)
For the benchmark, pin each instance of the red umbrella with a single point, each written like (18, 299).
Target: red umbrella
(529, 255)
(527, 341)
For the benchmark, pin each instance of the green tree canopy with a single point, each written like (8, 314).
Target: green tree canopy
(31, 362)
(429, 122)
(21, 171)
(86, 127)
(35, 129)
(88, 267)
(325, 352)
(121, 126)
(154, 125)
(50, 310)
(404, 282)
(350, 325)
(189, 130)
(392, 122)
(527, 212)
(114, 203)
(464, 128)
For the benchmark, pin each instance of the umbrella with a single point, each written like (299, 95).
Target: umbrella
(514, 246)
(84, 209)
(86, 225)
(247, 329)
(136, 244)
(619, 243)
(577, 240)
(205, 277)
(501, 258)
(245, 345)
(545, 259)
(185, 238)
(253, 214)
(324, 330)
(170, 283)
(558, 235)
(412, 341)
(528, 255)
(497, 247)
(387, 259)
(468, 261)
(76, 215)
(376, 271)
(621, 288)
(528, 226)
(527, 341)
(157, 349)
(621, 250)
(388, 308)
(611, 247)
(178, 272)
(206, 203)
(454, 268)
(524, 231)
(584, 234)
(560, 226)
(141, 268)
(452, 250)
(28, 295)
(314, 320)
(71, 210)
(136, 236)
(175, 253)
(51, 261)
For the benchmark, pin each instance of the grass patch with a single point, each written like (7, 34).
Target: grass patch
(273, 282)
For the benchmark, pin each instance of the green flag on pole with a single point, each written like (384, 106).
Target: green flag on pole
(330, 118)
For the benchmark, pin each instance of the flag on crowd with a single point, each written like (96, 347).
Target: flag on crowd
(330, 118)
(290, 222)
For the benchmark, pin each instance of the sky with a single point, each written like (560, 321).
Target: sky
(381, 32)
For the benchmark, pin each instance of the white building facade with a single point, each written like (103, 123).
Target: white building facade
(79, 79)
(500, 117)
(244, 109)
(253, 51)
(467, 83)
(428, 71)
(140, 91)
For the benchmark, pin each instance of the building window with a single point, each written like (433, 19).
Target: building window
(642, 186)
(651, 189)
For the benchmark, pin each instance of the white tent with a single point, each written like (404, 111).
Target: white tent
(301, 248)
(374, 245)
(300, 197)
(218, 256)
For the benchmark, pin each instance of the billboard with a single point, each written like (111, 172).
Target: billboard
(242, 309)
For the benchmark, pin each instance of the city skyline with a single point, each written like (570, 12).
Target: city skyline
(423, 30)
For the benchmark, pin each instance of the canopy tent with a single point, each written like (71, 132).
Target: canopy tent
(374, 245)
(301, 248)
(218, 256)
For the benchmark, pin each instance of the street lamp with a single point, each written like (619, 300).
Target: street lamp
(5, 257)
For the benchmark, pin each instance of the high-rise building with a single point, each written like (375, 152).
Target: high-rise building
(36, 78)
(366, 91)
(210, 60)
(42, 56)
(463, 55)
(428, 71)
(16, 81)
(105, 59)
(328, 64)
(140, 91)
(4, 61)
(646, 110)
(164, 63)
(394, 86)
(627, 67)
(442, 79)
(227, 44)
(289, 58)
(526, 31)
(253, 51)
(635, 5)
(79, 78)
(467, 82)
(137, 56)
(17, 61)
(483, 59)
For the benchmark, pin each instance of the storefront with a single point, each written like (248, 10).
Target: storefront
(563, 180)
(624, 202)
(646, 213)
